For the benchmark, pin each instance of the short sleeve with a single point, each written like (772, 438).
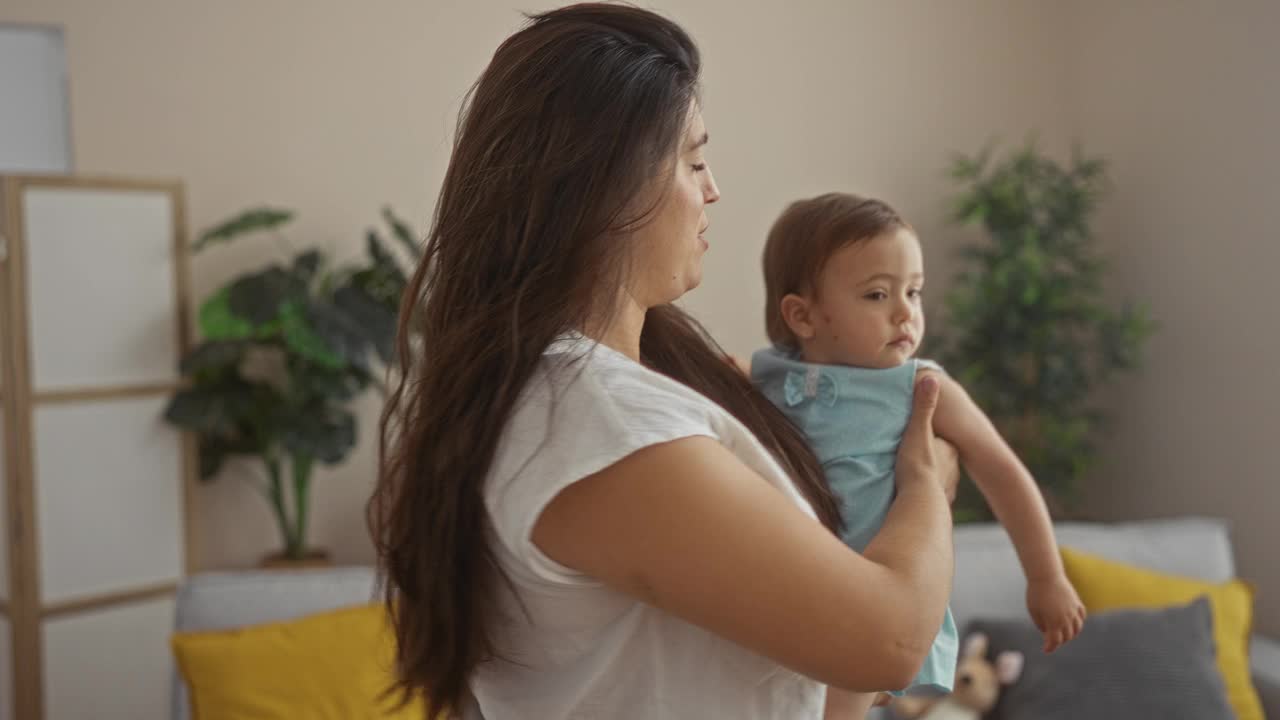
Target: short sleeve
(923, 364)
(574, 423)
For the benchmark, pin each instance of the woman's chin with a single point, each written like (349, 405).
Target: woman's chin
(689, 279)
(694, 280)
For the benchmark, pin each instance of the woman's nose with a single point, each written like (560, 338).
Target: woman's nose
(710, 191)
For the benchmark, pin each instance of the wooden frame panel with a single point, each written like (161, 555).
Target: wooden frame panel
(17, 476)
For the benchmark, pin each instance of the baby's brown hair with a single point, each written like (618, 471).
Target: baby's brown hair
(805, 237)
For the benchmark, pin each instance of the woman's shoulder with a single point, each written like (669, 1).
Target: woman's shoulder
(585, 409)
(601, 390)
(579, 414)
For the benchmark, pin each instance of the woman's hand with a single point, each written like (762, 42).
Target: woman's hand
(948, 462)
(920, 456)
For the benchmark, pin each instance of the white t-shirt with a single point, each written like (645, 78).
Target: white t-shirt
(576, 648)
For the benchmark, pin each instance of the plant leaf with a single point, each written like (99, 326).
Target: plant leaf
(375, 320)
(306, 264)
(301, 336)
(263, 218)
(216, 449)
(331, 385)
(377, 249)
(218, 322)
(341, 333)
(324, 433)
(260, 296)
(211, 355)
(403, 233)
(200, 409)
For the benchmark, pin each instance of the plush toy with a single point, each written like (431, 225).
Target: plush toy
(976, 690)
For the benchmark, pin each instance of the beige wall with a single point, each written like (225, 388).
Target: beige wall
(331, 108)
(1184, 99)
(334, 108)
(870, 97)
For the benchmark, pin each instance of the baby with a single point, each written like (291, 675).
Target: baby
(843, 276)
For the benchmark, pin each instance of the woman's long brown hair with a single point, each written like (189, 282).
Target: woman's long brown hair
(577, 114)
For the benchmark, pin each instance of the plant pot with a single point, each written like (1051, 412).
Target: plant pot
(313, 559)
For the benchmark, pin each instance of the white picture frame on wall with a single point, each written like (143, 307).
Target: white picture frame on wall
(35, 116)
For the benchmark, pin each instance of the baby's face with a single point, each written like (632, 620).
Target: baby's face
(868, 311)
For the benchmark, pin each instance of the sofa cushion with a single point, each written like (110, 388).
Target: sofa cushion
(231, 599)
(1125, 664)
(217, 600)
(1264, 663)
(1105, 585)
(989, 581)
(337, 664)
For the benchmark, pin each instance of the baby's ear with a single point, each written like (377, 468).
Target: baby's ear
(1009, 667)
(797, 314)
(976, 645)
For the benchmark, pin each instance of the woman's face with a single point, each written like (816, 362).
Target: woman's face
(671, 244)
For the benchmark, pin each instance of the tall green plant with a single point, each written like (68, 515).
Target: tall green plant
(284, 352)
(1028, 328)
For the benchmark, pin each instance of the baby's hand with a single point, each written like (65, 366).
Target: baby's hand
(1056, 609)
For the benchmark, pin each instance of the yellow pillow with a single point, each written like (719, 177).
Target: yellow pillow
(1106, 585)
(329, 665)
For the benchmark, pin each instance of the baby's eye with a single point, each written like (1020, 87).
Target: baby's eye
(876, 295)
(915, 292)
(699, 167)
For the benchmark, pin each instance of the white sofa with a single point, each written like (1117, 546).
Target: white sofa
(988, 583)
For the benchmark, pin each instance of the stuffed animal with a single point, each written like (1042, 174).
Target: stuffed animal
(976, 690)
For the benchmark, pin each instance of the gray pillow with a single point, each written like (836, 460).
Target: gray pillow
(1130, 664)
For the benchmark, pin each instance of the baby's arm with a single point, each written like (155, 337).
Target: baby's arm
(1012, 493)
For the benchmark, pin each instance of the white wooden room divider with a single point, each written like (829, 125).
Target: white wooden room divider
(96, 491)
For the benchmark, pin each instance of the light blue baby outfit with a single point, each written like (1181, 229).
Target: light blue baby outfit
(854, 419)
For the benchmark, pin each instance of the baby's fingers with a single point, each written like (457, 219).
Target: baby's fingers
(1067, 628)
(1064, 630)
(1052, 639)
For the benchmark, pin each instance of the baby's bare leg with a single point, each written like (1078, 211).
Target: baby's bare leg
(845, 705)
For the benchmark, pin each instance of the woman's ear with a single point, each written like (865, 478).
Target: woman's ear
(797, 313)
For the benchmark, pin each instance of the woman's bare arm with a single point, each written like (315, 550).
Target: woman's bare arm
(686, 527)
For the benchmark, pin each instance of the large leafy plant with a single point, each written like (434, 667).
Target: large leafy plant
(284, 352)
(1029, 328)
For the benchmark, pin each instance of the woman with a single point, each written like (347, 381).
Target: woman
(584, 511)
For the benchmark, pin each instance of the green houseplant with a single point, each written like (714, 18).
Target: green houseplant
(284, 351)
(1028, 328)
